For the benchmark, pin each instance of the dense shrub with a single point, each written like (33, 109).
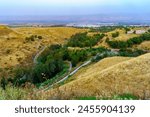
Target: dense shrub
(117, 44)
(43, 72)
(116, 34)
(3, 83)
(82, 40)
(50, 63)
(77, 56)
(130, 53)
(122, 52)
(39, 37)
(130, 42)
(32, 38)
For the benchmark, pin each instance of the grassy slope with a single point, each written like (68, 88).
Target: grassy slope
(131, 76)
(145, 45)
(104, 64)
(5, 31)
(9, 41)
(14, 50)
(122, 36)
(50, 34)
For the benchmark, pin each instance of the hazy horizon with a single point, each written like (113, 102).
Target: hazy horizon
(54, 10)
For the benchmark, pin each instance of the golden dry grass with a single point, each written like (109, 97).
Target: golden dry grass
(145, 45)
(50, 34)
(122, 37)
(130, 76)
(103, 64)
(14, 50)
(4, 31)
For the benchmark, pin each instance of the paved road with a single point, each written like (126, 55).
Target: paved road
(70, 74)
(113, 51)
(35, 61)
(74, 71)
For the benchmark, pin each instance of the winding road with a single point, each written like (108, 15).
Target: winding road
(70, 74)
(74, 71)
(35, 61)
(113, 51)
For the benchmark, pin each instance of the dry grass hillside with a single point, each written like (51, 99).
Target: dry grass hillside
(122, 37)
(14, 49)
(145, 45)
(50, 34)
(104, 64)
(6, 32)
(105, 79)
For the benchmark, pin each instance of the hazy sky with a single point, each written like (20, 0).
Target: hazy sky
(73, 7)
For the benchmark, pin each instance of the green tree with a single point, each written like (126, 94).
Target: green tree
(116, 34)
(3, 83)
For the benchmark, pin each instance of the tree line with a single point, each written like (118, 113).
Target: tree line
(105, 29)
(83, 40)
(130, 42)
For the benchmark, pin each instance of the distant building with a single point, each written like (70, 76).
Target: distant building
(130, 32)
(137, 32)
(140, 31)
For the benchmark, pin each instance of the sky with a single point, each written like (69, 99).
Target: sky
(73, 7)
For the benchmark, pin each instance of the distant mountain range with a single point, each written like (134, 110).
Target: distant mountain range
(82, 19)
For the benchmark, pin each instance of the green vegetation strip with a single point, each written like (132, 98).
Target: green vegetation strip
(130, 42)
(83, 40)
(55, 79)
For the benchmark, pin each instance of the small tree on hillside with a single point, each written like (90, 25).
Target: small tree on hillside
(3, 83)
(116, 34)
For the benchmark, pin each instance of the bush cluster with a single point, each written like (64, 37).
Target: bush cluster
(82, 40)
(116, 34)
(33, 38)
(130, 42)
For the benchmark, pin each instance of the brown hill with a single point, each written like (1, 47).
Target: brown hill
(14, 50)
(145, 45)
(130, 76)
(6, 32)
